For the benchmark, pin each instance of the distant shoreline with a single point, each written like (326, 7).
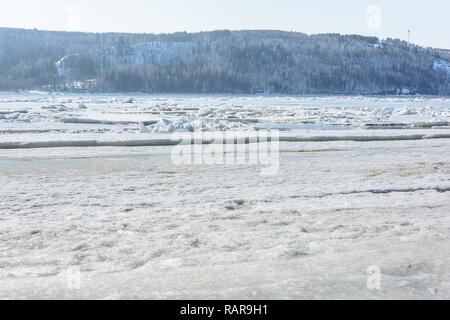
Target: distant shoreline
(215, 94)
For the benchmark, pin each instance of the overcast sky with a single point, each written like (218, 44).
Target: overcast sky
(429, 21)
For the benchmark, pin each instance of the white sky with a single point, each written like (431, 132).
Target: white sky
(429, 20)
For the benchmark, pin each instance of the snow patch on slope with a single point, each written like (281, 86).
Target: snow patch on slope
(151, 53)
(441, 65)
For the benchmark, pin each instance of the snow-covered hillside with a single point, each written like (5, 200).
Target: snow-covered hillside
(261, 65)
(264, 61)
(157, 53)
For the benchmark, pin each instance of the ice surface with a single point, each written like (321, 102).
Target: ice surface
(25, 140)
(132, 224)
(218, 113)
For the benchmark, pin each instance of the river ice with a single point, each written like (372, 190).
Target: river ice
(121, 222)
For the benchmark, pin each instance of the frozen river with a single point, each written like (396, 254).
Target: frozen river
(92, 204)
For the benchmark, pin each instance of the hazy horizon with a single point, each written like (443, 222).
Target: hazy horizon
(428, 22)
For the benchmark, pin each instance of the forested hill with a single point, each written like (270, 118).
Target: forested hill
(219, 61)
